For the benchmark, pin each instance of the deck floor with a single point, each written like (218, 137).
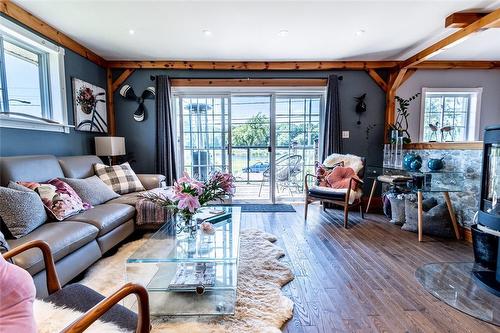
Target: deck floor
(361, 279)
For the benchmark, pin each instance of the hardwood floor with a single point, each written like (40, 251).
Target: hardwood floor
(361, 279)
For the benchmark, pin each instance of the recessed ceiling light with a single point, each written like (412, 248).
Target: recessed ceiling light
(360, 32)
(283, 33)
(131, 32)
(207, 32)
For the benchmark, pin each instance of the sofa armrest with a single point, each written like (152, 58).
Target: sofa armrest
(151, 181)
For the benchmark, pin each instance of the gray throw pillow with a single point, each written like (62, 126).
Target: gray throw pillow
(436, 219)
(4, 246)
(92, 190)
(21, 209)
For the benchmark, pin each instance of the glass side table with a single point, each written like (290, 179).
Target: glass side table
(442, 181)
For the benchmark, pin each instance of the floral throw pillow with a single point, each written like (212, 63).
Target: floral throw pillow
(60, 200)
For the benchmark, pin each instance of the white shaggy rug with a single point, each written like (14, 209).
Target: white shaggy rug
(260, 306)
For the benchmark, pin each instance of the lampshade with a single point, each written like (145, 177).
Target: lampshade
(109, 145)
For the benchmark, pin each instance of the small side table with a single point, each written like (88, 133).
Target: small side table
(447, 199)
(441, 182)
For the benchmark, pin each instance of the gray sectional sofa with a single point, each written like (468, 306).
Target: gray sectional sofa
(82, 239)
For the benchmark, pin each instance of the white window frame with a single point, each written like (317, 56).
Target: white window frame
(472, 116)
(56, 81)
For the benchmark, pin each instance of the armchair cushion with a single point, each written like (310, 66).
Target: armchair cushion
(81, 298)
(328, 193)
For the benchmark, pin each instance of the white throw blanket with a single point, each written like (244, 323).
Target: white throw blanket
(352, 161)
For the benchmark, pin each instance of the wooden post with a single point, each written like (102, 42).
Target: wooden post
(110, 103)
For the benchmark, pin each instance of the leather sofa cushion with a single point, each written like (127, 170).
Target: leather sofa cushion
(106, 217)
(79, 166)
(128, 199)
(35, 168)
(62, 237)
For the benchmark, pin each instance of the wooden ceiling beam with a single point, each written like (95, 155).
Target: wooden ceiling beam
(461, 20)
(15, 12)
(120, 79)
(457, 64)
(483, 23)
(249, 82)
(377, 78)
(253, 65)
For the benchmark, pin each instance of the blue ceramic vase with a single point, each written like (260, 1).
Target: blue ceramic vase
(435, 164)
(412, 162)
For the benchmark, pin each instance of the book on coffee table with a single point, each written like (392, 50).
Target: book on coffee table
(211, 215)
(191, 275)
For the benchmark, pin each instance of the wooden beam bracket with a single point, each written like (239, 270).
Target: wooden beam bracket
(377, 78)
(122, 78)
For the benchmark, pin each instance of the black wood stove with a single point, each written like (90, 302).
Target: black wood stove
(486, 233)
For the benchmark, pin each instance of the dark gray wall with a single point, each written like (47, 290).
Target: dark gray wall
(140, 136)
(28, 142)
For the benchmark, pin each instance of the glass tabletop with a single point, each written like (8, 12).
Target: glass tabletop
(453, 284)
(169, 244)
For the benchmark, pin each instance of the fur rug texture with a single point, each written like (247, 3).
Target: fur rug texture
(351, 161)
(51, 318)
(260, 306)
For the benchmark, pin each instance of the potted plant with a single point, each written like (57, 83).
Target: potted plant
(400, 126)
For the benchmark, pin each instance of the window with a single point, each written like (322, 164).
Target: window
(31, 81)
(450, 114)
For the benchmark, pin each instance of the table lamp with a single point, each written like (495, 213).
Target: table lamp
(109, 146)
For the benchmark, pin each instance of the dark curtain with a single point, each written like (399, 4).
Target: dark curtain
(165, 131)
(332, 131)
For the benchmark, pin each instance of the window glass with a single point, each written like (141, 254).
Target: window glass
(22, 69)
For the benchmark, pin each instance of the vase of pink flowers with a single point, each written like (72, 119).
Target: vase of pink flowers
(189, 194)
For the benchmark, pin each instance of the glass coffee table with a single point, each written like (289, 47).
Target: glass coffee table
(190, 273)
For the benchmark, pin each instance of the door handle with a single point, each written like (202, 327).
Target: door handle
(269, 149)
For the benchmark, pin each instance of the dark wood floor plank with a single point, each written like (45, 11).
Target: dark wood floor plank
(361, 279)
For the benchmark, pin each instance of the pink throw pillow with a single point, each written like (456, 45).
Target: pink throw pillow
(17, 294)
(340, 178)
(60, 200)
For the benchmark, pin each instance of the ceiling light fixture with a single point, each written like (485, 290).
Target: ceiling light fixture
(283, 33)
(131, 32)
(207, 32)
(360, 32)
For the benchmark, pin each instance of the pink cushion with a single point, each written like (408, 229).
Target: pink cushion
(17, 294)
(60, 200)
(340, 177)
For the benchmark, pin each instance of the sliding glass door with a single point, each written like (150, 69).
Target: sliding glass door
(268, 141)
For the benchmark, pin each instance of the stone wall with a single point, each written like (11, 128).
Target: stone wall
(466, 203)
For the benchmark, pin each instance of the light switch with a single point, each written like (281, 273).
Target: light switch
(345, 134)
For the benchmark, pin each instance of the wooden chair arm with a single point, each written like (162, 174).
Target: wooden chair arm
(53, 284)
(305, 180)
(357, 180)
(143, 322)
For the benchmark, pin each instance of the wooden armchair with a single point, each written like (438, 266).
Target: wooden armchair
(323, 195)
(105, 308)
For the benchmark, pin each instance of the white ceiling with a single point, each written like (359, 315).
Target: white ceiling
(249, 30)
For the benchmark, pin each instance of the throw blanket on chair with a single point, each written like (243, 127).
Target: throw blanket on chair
(352, 161)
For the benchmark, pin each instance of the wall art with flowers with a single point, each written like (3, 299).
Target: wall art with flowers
(90, 107)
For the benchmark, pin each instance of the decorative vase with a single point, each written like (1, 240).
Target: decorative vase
(409, 159)
(435, 164)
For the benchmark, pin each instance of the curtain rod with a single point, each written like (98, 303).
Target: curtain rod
(341, 77)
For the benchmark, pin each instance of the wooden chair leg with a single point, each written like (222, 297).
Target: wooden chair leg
(361, 211)
(305, 209)
(346, 215)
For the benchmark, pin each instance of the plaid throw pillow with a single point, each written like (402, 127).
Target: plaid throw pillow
(121, 178)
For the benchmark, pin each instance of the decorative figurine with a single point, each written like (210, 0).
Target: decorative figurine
(207, 227)
(434, 129)
(412, 162)
(447, 130)
(360, 106)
